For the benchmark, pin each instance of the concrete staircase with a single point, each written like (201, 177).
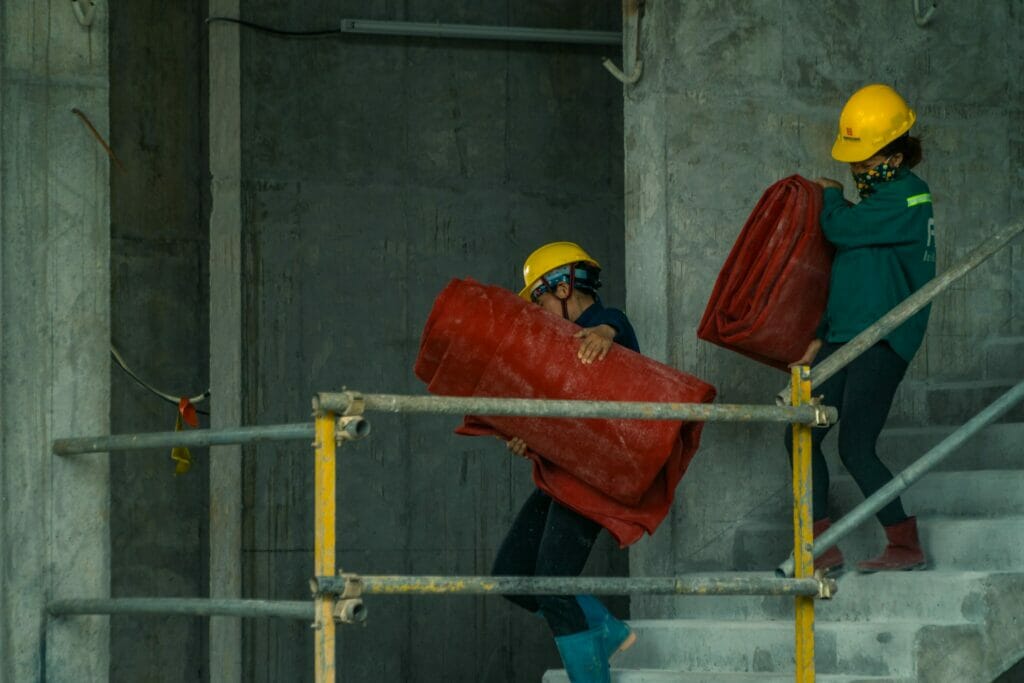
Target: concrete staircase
(960, 622)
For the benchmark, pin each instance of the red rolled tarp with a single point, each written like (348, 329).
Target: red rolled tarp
(771, 293)
(482, 340)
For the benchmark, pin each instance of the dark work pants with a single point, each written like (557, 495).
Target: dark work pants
(548, 539)
(863, 393)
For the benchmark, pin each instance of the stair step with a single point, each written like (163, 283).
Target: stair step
(932, 596)
(850, 648)
(668, 676)
(998, 446)
(957, 401)
(980, 493)
(991, 544)
(1004, 357)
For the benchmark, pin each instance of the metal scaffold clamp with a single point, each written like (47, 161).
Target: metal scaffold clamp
(349, 608)
(352, 426)
(348, 604)
(356, 404)
(821, 418)
(827, 586)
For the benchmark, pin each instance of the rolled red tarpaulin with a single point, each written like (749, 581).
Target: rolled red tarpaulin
(482, 340)
(771, 293)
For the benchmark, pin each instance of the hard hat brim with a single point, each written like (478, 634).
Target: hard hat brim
(850, 152)
(854, 151)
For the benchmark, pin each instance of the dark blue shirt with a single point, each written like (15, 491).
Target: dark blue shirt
(597, 314)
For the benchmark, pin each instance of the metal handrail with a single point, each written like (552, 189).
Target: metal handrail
(901, 482)
(209, 607)
(868, 338)
(694, 584)
(342, 402)
(345, 401)
(339, 598)
(908, 307)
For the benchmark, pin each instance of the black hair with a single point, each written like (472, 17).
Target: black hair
(908, 146)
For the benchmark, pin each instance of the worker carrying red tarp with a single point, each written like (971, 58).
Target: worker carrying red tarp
(482, 340)
(771, 293)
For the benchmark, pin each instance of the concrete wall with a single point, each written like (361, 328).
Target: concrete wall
(159, 323)
(54, 336)
(372, 172)
(735, 97)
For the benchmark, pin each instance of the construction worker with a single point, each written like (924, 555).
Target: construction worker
(885, 251)
(547, 538)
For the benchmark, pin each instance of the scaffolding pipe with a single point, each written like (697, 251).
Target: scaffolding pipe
(911, 305)
(199, 607)
(803, 537)
(901, 482)
(341, 402)
(191, 439)
(449, 405)
(477, 32)
(550, 585)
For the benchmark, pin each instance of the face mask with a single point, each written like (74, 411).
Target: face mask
(867, 180)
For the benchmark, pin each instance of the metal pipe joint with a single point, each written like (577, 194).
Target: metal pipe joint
(352, 428)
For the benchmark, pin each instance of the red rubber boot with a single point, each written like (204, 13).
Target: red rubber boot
(832, 559)
(902, 553)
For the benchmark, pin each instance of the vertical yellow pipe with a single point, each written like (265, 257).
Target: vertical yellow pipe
(323, 544)
(803, 535)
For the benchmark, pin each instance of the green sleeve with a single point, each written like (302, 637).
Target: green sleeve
(875, 221)
(822, 328)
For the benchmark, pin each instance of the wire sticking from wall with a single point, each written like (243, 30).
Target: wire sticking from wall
(170, 398)
(276, 31)
(99, 138)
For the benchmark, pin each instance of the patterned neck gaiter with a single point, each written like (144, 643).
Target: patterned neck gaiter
(879, 174)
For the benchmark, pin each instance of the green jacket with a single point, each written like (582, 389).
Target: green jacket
(885, 251)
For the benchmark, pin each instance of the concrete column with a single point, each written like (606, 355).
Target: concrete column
(225, 339)
(54, 344)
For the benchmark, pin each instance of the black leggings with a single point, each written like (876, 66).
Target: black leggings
(863, 393)
(548, 539)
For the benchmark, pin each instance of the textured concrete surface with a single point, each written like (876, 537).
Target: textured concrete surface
(373, 170)
(55, 322)
(159, 295)
(226, 338)
(729, 103)
(937, 626)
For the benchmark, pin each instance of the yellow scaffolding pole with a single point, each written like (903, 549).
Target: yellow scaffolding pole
(325, 514)
(340, 598)
(803, 536)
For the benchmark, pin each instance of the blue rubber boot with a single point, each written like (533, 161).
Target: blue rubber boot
(583, 656)
(617, 636)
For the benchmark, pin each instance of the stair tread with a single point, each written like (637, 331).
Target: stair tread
(786, 625)
(680, 676)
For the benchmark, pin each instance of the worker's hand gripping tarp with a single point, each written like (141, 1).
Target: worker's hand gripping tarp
(485, 341)
(771, 292)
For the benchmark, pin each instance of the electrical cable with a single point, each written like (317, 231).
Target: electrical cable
(162, 394)
(275, 31)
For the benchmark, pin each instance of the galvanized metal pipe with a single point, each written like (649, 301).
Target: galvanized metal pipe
(901, 482)
(477, 32)
(190, 439)
(551, 585)
(911, 305)
(340, 402)
(200, 607)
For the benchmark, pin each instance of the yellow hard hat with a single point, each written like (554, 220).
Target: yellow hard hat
(873, 117)
(547, 258)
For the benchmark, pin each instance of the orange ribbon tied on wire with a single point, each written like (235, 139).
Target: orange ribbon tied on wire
(182, 456)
